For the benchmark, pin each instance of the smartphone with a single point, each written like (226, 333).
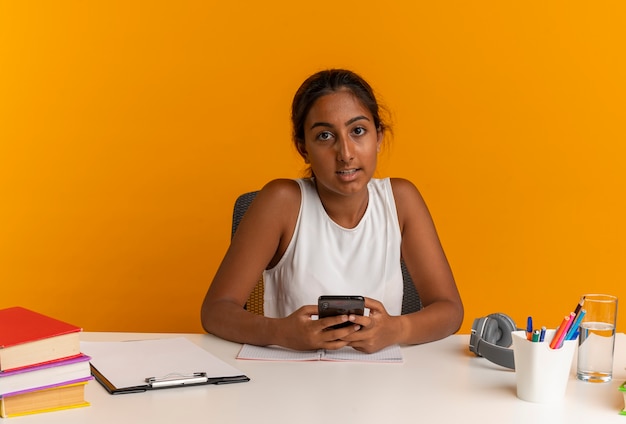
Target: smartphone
(330, 306)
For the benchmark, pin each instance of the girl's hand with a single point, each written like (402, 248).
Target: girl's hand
(300, 332)
(378, 330)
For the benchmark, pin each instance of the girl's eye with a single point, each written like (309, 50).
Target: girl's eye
(324, 136)
(359, 131)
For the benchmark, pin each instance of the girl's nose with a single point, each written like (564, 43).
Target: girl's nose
(344, 150)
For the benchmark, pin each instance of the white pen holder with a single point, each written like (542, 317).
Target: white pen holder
(541, 373)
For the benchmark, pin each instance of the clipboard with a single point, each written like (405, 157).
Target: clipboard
(141, 365)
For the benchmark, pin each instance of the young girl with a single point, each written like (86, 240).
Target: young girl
(338, 232)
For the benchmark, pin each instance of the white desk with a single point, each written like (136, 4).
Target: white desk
(438, 382)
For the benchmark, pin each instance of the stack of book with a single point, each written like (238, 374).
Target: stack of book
(41, 366)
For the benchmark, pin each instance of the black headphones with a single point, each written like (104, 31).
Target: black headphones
(491, 338)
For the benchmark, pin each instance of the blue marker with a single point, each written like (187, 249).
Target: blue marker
(542, 335)
(529, 328)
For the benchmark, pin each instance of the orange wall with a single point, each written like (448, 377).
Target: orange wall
(127, 129)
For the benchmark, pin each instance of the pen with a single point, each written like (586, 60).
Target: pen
(529, 328)
(542, 335)
(557, 341)
(535, 336)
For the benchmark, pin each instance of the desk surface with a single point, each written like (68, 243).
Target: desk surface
(437, 381)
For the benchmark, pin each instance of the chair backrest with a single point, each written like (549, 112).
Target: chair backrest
(411, 301)
(255, 300)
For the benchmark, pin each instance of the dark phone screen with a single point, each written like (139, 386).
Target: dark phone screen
(329, 306)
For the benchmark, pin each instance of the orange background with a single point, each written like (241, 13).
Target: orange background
(128, 128)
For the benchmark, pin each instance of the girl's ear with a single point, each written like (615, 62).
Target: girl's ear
(302, 150)
(380, 136)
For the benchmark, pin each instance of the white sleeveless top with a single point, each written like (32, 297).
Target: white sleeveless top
(324, 258)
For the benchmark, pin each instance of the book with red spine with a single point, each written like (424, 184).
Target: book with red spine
(28, 338)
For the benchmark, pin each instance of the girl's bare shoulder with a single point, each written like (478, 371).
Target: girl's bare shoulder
(283, 191)
(404, 190)
(409, 202)
(278, 200)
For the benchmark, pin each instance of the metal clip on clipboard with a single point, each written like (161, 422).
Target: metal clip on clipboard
(174, 379)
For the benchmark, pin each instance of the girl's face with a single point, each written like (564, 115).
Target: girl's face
(341, 143)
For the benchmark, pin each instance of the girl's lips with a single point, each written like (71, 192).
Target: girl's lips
(347, 171)
(347, 175)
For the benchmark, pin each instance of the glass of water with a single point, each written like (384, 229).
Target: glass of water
(597, 338)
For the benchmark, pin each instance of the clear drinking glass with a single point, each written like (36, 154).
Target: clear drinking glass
(597, 338)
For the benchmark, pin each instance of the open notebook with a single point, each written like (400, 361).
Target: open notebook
(391, 354)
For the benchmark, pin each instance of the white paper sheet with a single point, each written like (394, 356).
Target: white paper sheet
(129, 363)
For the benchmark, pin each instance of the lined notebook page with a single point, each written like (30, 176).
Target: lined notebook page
(275, 353)
(388, 354)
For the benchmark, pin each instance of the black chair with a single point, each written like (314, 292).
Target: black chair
(411, 301)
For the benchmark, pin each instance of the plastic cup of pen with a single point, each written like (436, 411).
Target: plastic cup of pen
(596, 340)
(541, 373)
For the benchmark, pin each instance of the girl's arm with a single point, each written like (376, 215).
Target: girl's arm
(426, 262)
(257, 243)
(260, 241)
